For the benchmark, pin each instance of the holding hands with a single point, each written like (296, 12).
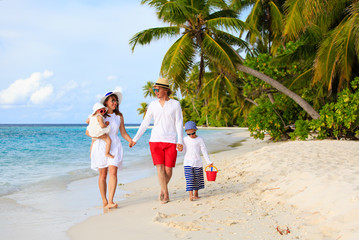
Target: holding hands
(131, 143)
(179, 147)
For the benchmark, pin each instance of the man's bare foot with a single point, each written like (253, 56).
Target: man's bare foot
(161, 196)
(109, 155)
(112, 205)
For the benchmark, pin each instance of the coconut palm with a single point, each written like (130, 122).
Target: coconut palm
(148, 90)
(142, 109)
(202, 36)
(265, 19)
(329, 32)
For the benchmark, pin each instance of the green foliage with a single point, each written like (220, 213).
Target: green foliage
(282, 72)
(337, 120)
(301, 130)
(340, 119)
(262, 120)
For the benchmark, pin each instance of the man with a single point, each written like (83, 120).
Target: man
(168, 124)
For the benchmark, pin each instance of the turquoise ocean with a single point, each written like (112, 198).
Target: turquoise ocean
(46, 184)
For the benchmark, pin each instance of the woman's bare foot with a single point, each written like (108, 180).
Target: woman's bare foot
(165, 200)
(112, 205)
(109, 155)
(104, 203)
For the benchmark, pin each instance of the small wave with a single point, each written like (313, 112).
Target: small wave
(48, 184)
(7, 188)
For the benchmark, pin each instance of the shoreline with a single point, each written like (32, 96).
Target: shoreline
(301, 189)
(33, 211)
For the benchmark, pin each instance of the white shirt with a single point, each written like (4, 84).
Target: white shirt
(168, 122)
(193, 148)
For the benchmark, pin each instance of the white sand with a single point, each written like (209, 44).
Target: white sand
(310, 188)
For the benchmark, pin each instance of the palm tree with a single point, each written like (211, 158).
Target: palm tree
(330, 29)
(201, 37)
(148, 90)
(265, 19)
(142, 109)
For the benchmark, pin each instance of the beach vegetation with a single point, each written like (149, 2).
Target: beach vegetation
(288, 71)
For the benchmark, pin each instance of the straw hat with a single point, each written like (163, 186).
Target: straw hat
(162, 82)
(118, 94)
(98, 106)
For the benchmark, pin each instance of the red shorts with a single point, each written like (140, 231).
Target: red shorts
(163, 153)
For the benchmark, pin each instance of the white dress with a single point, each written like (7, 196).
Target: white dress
(94, 128)
(98, 158)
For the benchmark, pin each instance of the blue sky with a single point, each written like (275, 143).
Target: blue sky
(58, 57)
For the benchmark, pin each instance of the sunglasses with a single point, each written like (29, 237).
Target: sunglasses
(102, 111)
(190, 134)
(156, 90)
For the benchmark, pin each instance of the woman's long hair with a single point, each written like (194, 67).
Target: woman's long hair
(117, 112)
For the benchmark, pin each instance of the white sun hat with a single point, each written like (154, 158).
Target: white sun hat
(118, 94)
(98, 106)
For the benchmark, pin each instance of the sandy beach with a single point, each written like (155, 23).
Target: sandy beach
(263, 190)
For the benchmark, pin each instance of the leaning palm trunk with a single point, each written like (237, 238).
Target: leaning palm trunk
(300, 101)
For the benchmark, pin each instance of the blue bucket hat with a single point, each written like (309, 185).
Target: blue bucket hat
(190, 125)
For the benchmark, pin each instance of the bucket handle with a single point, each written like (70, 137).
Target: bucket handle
(211, 166)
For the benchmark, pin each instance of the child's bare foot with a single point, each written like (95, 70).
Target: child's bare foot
(112, 205)
(109, 155)
(196, 198)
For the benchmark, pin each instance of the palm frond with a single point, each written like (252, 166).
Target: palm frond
(239, 5)
(276, 19)
(223, 13)
(346, 49)
(294, 23)
(228, 23)
(326, 61)
(174, 12)
(178, 59)
(146, 36)
(232, 40)
(337, 53)
(217, 53)
(154, 3)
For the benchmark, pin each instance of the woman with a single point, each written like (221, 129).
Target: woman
(106, 165)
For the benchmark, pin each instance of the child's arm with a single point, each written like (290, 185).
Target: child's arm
(184, 146)
(100, 120)
(88, 121)
(204, 152)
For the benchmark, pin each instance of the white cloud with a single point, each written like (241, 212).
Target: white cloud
(111, 78)
(42, 94)
(22, 90)
(66, 88)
